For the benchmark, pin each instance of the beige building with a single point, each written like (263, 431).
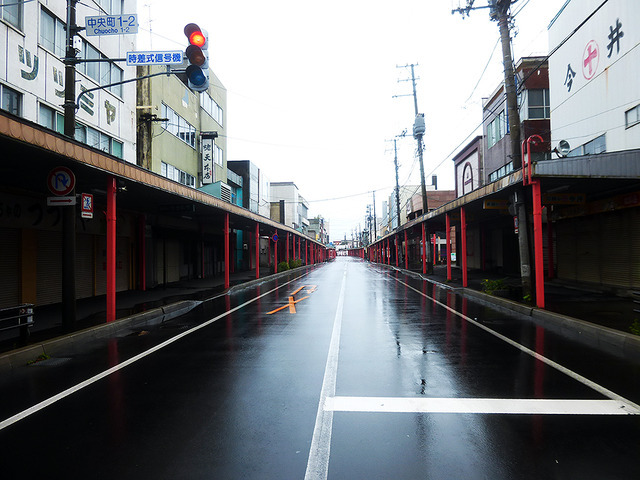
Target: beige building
(172, 120)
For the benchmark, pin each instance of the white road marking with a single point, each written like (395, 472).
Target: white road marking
(318, 462)
(576, 376)
(69, 391)
(517, 406)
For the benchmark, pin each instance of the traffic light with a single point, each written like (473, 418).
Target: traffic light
(197, 54)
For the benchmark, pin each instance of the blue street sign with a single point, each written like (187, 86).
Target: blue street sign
(171, 57)
(123, 24)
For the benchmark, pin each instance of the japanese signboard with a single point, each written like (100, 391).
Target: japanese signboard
(171, 57)
(207, 159)
(112, 24)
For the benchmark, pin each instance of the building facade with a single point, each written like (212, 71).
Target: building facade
(288, 206)
(32, 73)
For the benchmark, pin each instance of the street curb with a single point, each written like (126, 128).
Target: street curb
(20, 357)
(613, 341)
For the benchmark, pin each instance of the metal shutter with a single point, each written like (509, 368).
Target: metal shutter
(10, 266)
(49, 267)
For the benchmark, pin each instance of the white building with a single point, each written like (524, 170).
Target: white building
(288, 206)
(32, 36)
(595, 93)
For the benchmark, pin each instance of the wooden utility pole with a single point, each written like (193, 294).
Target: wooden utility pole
(499, 12)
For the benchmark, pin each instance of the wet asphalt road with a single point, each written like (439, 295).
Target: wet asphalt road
(361, 373)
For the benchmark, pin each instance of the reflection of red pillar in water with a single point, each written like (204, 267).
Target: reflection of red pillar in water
(538, 384)
(116, 395)
(463, 339)
(451, 303)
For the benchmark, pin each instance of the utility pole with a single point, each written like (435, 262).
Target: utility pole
(395, 161)
(375, 227)
(69, 311)
(70, 73)
(499, 12)
(418, 132)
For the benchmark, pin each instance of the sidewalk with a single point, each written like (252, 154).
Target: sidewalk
(92, 311)
(592, 306)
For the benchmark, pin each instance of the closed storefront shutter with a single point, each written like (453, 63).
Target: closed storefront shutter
(617, 263)
(634, 246)
(84, 266)
(10, 266)
(49, 267)
(588, 250)
(565, 235)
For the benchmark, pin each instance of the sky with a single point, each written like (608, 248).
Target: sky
(315, 94)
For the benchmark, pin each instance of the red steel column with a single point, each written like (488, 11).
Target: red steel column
(111, 249)
(226, 251)
(448, 220)
(463, 241)
(276, 254)
(424, 250)
(435, 246)
(550, 265)
(257, 250)
(396, 249)
(248, 248)
(537, 242)
(287, 249)
(406, 251)
(306, 253)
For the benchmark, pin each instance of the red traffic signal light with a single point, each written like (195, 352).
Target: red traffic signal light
(195, 35)
(197, 57)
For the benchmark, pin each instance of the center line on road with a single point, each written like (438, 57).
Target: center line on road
(318, 462)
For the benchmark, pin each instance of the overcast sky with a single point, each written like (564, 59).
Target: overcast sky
(311, 86)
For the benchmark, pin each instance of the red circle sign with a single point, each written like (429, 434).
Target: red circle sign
(61, 181)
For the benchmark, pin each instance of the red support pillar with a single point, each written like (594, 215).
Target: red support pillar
(257, 250)
(306, 253)
(406, 251)
(435, 246)
(275, 260)
(111, 249)
(396, 240)
(424, 250)
(448, 220)
(463, 247)
(287, 249)
(537, 242)
(226, 251)
(550, 266)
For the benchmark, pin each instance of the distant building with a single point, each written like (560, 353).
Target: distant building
(256, 186)
(532, 74)
(319, 229)
(469, 167)
(288, 206)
